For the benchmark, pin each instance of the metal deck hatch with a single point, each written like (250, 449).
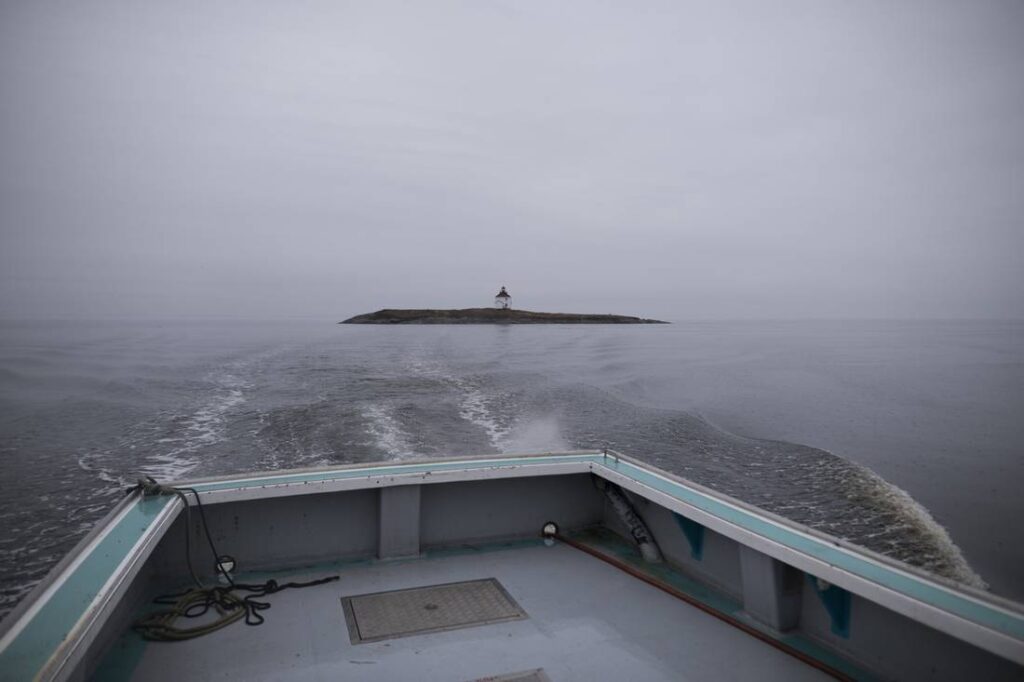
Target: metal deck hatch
(419, 610)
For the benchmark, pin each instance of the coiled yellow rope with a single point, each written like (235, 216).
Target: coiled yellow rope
(197, 602)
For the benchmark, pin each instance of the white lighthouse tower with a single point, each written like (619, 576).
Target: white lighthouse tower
(502, 299)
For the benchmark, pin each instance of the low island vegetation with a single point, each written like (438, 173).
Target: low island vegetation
(489, 316)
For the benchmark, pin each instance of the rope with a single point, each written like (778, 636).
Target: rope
(197, 602)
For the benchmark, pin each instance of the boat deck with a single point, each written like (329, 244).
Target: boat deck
(584, 619)
(553, 609)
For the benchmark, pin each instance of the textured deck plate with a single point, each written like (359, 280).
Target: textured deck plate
(415, 611)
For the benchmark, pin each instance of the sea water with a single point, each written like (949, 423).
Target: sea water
(904, 437)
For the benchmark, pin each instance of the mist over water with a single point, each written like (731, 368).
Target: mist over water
(888, 449)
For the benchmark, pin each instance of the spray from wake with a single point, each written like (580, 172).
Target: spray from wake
(934, 548)
(536, 434)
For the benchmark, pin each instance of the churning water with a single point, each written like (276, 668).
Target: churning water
(87, 407)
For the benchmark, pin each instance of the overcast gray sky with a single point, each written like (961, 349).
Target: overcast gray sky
(720, 159)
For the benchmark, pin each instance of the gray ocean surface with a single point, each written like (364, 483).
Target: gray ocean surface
(904, 437)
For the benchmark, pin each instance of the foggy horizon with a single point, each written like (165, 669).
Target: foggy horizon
(677, 161)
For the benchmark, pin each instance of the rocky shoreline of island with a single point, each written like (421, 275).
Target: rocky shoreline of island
(489, 316)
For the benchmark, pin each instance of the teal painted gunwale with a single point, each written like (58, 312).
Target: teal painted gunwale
(389, 470)
(26, 655)
(904, 583)
(31, 649)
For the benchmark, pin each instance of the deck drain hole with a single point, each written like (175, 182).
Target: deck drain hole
(415, 611)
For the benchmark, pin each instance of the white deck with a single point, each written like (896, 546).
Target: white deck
(587, 621)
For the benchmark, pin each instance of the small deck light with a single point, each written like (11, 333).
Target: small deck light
(549, 532)
(225, 567)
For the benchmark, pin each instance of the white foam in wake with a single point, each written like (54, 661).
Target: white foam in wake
(170, 457)
(201, 429)
(381, 422)
(505, 432)
(474, 404)
(474, 408)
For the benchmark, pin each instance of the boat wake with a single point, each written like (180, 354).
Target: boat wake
(808, 485)
(935, 549)
(170, 446)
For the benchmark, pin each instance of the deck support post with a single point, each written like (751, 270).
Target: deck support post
(399, 522)
(772, 590)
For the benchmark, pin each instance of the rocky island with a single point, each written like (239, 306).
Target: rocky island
(489, 316)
